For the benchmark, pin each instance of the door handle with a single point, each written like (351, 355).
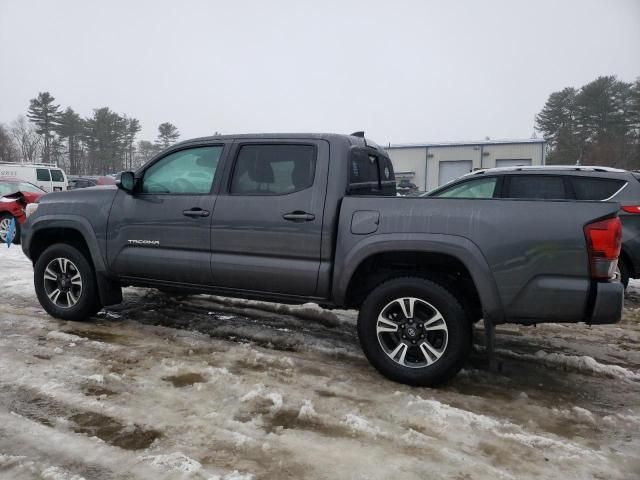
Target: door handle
(299, 216)
(196, 212)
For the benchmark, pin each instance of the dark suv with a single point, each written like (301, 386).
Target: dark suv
(563, 183)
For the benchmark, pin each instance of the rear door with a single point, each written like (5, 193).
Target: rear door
(162, 231)
(266, 230)
(58, 180)
(43, 179)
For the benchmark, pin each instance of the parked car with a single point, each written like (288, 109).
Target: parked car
(314, 218)
(92, 181)
(563, 183)
(47, 176)
(15, 195)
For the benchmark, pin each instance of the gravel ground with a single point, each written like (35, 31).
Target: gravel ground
(202, 387)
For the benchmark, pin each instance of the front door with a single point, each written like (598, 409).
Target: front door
(267, 224)
(163, 230)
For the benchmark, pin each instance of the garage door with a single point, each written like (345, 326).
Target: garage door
(513, 162)
(452, 169)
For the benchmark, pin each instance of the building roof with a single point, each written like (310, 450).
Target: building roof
(466, 143)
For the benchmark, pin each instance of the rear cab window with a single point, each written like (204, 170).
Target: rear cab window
(370, 173)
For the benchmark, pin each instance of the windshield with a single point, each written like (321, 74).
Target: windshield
(7, 188)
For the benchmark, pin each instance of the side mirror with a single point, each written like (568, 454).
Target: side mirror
(126, 181)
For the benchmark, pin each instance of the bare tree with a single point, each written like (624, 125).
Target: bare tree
(27, 139)
(8, 150)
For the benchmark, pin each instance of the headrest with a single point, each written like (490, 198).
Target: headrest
(261, 172)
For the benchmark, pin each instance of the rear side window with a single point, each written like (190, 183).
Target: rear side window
(478, 188)
(370, 174)
(547, 187)
(590, 188)
(42, 174)
(273, 169)
(57, 176)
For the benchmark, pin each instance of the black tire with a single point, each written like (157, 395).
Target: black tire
(624, 273)
(456, 348)
(16, 237)
(87, 300)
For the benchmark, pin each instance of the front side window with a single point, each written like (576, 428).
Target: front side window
(273, 169)
(57, 176)
(547, 187)
(42, 174)
(590, 188)
(477, 188)
(189, 171)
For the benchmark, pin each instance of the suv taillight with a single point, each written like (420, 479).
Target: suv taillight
(632, 209)
(604, 240)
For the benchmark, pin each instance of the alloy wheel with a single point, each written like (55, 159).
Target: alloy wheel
(62, 282)
(412, 332)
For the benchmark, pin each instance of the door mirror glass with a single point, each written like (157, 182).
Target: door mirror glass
(126, 181)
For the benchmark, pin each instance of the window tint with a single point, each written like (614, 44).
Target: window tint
(57, 176)
(370, 174)
(187, 171)
(387, 177)
(477, 188)
(42, 174)
(589, 188)
(273, 169)
(536, 187)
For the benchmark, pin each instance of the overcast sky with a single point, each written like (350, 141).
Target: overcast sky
(403, 71)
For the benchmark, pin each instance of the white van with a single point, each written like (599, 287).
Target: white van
(45, 175)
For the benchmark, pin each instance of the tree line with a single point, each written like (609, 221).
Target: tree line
(597, 124)
(106, 142)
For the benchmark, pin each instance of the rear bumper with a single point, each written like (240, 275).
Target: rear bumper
(607, 307)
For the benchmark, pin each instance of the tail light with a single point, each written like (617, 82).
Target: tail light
(604, 240)
(632, 209)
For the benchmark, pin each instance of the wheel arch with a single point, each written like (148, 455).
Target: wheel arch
(77, 231)
(436, 256)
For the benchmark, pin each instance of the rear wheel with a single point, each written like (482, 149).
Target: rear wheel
(65, 283)
(414, 331)
(5, 222)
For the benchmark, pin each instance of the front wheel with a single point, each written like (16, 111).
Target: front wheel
(414, 331)
(65, 283)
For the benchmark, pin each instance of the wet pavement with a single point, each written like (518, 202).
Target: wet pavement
(206, 387)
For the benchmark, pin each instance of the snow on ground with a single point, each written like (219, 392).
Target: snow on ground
(202, 387)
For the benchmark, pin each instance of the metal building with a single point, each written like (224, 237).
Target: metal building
(430, 165)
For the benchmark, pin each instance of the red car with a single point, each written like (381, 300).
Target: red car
(15, 195)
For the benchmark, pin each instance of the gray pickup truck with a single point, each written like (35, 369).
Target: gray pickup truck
(315, 218)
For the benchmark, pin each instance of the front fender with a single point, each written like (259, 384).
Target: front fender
(458, 247)
(35, 225)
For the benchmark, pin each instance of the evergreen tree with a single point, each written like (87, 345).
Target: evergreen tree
(71, 127)
(557, 122)
(132, 129)
(44, 114)
(167, 134)
(105, 136)
(598, 124)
